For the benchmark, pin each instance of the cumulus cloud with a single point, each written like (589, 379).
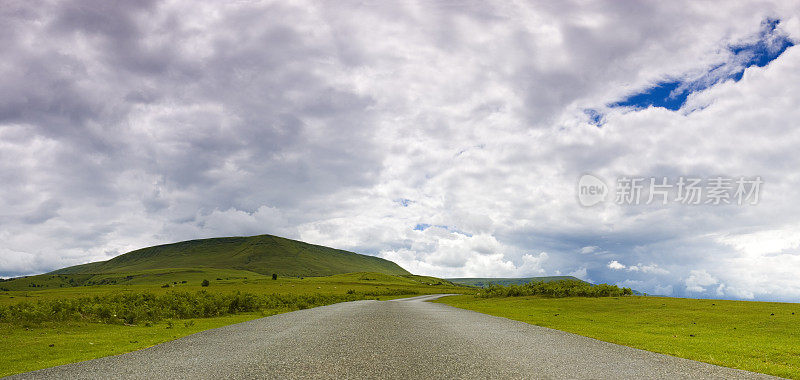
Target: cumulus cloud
(124, 125)
(764, 242)
(581, 273)
(665, 290)
(615, 265)
(698, 280)
(652, 268)
(438, 251)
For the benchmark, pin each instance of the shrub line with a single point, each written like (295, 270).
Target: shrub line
(145, 307)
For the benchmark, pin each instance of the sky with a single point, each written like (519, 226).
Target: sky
(446, 136)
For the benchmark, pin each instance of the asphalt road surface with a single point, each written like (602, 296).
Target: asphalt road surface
(406, 338)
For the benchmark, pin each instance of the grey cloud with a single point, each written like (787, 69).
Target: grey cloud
(129, 124)
(95, 67)
(44, 212)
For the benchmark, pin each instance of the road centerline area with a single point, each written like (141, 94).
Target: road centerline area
(405, 338)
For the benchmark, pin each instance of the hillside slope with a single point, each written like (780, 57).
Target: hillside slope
(264, 254)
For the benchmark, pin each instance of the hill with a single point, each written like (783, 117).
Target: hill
(263, 254)
(484, 282)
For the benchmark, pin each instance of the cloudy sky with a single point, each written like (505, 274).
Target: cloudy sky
(446, 136)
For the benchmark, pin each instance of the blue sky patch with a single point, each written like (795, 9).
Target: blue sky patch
(425, 226)
(672, 94)
(595, 117)
(421, 227)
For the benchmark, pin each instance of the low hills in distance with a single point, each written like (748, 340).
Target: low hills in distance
(227, 257)
(234, 258)
(484, 282)
(264, 254)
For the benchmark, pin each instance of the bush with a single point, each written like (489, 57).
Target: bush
(205, 283)
(555, 289)
(148, 308)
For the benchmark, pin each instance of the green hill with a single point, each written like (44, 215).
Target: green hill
(263, 254)
(484, 282)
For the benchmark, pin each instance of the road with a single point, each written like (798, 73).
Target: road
(406, 338)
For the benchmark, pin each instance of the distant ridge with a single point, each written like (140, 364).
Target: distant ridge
(264, 254)
(484, 282)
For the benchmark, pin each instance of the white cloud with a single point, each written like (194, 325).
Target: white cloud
(441, 252)
(764, 242)
(15, 261)
(581, 273)
(312, 126)
(615, 265)
(698, 280)
(662, 290)
(652, 268)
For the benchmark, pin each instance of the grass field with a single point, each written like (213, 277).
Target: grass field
(51, 344)
(222, 280)
(28, 345)
(755, 336)
(156, 294)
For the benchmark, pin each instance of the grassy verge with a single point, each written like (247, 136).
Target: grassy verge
(87, 322)
(51, 344)
(230, 281)
(754, 336)
(148, 308)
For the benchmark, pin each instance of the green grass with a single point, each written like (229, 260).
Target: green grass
(28, 349)
(251, 258)
(27, 345)
(233, 281)
(148, 277)
(737, 334)
(127, 303)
